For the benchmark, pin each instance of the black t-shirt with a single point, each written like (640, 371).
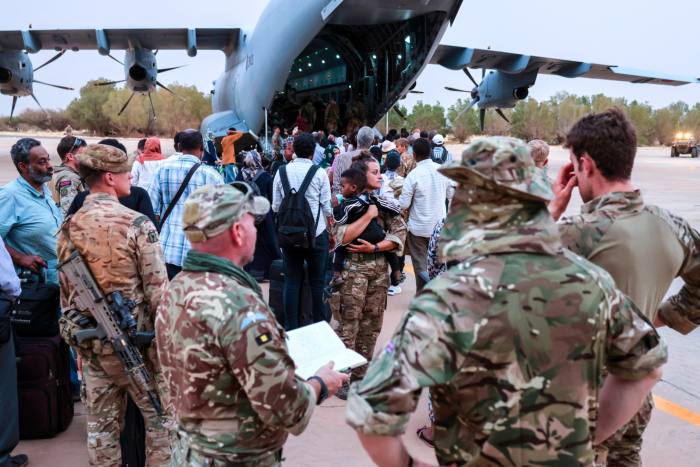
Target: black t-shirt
(138, 200)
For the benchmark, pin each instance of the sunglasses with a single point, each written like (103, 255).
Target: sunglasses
(77, 143)
(249, 193)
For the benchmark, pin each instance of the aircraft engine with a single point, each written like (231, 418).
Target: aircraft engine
(17, 76)
(140, 74)
(521, 93)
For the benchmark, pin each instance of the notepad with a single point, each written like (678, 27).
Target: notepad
(314, 345)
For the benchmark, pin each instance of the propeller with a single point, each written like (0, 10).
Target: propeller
(153, 109)
(54, 85)
(399, 112)
(475, 94)
(37, 102)
(161, 85)
(416, 92)
(52, 59)
(115, 59)
(108, 83)
(14, 102)
(163, 70)
(126, 103)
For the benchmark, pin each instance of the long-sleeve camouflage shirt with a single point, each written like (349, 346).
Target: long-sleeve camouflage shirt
(65, 185)
(513, 342)
(121, 248)
(643, 248)
(231, 380)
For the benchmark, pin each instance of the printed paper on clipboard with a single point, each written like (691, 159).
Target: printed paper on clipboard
(314, 345)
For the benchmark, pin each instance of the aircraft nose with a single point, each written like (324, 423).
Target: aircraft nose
(5, 75)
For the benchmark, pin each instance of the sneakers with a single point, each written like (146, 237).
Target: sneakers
(394, 290)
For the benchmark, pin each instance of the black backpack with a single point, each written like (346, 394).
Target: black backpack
(443, 156)
(296, 227)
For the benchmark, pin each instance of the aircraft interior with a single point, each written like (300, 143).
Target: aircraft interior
(349, 76)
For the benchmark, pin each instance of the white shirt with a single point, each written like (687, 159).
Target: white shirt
(424, 192)
(142, 174)
(319, 191)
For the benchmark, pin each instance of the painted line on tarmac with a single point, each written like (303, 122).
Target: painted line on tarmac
(677, 411)
(662, 404)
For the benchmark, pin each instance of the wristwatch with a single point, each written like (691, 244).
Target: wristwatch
(323, 395)
(376, 248)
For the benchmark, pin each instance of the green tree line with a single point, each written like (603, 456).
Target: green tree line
(550, 120)
(96, 110)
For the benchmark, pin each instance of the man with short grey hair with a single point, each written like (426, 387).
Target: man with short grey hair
(365, 138)
(29, 217)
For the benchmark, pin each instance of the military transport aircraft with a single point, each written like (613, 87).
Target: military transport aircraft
(362, 52)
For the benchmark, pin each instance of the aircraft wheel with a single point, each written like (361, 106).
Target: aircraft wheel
(694, 152)
(673, 152)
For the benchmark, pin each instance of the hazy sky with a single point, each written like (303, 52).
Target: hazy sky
(642, 34)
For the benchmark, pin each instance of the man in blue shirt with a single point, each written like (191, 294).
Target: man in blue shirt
(29, 217)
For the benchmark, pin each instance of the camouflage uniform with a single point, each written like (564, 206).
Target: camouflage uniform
(65, 185)
(121, 248)
(512, 340)
(643, 248)
(231, 381)
(358, 305)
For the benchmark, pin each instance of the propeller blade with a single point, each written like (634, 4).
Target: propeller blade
(163, 70)
(482, 118)
(54, 85)
(14, 102)
(155, 52)
(126, 103)
(115, 59)
(471, 104)
(416, 92)
(37, 102)
(152, 108)
(108, 83)
(483, 73)
(503, 116)
(456, 89)
(170, 91)
(52, 59)
(401, 114)
(469, 75)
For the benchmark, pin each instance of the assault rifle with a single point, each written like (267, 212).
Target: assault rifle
(115, 324)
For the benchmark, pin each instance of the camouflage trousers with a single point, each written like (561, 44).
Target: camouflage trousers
(359, 303)
(184, 456)
(106, 386)
(624, 448)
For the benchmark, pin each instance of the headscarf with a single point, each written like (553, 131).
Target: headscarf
(151, 151)
(251, 165)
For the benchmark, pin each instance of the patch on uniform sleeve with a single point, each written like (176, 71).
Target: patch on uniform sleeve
(64, 183)
(63, 192)
(152, 236)
(252, 317)
(263, 338)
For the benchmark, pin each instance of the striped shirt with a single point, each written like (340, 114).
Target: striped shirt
(166, 182)
(424, 193)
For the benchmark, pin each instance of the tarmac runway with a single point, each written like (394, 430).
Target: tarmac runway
(673, 437)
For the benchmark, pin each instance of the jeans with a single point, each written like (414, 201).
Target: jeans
(230, 173)
(316, 260)
(9, 404)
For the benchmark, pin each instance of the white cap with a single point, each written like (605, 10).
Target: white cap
(438, 140)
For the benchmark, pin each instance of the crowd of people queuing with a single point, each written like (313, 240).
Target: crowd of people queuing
(525, 364)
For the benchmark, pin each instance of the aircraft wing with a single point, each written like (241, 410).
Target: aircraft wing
(456, 58)
(104, 40)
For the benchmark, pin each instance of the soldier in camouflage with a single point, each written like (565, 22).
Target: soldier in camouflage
(513, 339)
(121, 248)
(643, 247)
(359, 303)
(231, 381)
(66, 183)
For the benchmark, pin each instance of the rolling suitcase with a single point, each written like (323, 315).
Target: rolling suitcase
(276, 299)
(43, 386)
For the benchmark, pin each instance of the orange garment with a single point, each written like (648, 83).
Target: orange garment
(229, 156)
(151, 151)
